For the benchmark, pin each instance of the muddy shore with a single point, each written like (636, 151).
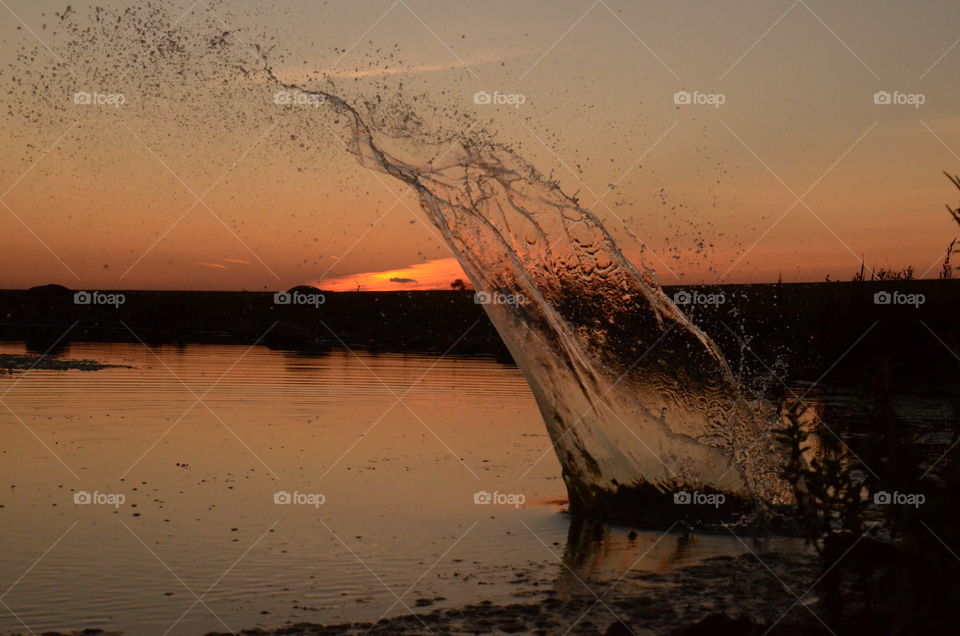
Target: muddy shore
(10, 364)
(746, 595)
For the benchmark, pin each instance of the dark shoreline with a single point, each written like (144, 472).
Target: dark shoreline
(18, 363)
(804, 328)
(724, 595)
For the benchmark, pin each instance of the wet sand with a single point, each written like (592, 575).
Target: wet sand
(748, 590)
(744, 595)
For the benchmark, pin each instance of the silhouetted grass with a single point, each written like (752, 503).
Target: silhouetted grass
(888, 566)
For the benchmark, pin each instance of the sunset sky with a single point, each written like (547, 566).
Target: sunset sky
(185, 185)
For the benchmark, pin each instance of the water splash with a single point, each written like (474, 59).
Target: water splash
(639, 403)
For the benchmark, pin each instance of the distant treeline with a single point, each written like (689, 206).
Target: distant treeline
(805, 328)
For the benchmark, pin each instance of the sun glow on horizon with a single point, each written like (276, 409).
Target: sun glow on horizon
(432, 274)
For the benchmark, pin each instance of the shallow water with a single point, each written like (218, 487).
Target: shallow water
(199, 516)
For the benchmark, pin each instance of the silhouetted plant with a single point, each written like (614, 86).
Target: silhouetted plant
(884, 274)
(859, 277)
(829, 497)
(794, 439)
(900, 554)
(954, 212)
(946, 271)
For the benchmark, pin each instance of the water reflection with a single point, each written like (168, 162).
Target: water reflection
(605, 553)
(399, 478)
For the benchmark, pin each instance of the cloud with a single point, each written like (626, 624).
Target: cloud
(398, 279)
(490, 57)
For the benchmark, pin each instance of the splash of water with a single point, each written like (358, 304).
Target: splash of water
(637, 400)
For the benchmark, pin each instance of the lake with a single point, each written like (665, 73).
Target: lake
(231, 486)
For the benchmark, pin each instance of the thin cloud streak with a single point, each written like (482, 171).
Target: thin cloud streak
(293, 75)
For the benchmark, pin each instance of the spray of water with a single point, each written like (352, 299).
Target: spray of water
(639, 403)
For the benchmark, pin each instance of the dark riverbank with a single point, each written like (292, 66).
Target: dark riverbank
(749, 595)
(14, 364)
(722, 595)
(805, 329)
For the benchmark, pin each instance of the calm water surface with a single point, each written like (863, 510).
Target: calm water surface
(200, 440)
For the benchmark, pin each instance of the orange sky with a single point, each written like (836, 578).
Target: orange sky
(198, 181)
(435, 274)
